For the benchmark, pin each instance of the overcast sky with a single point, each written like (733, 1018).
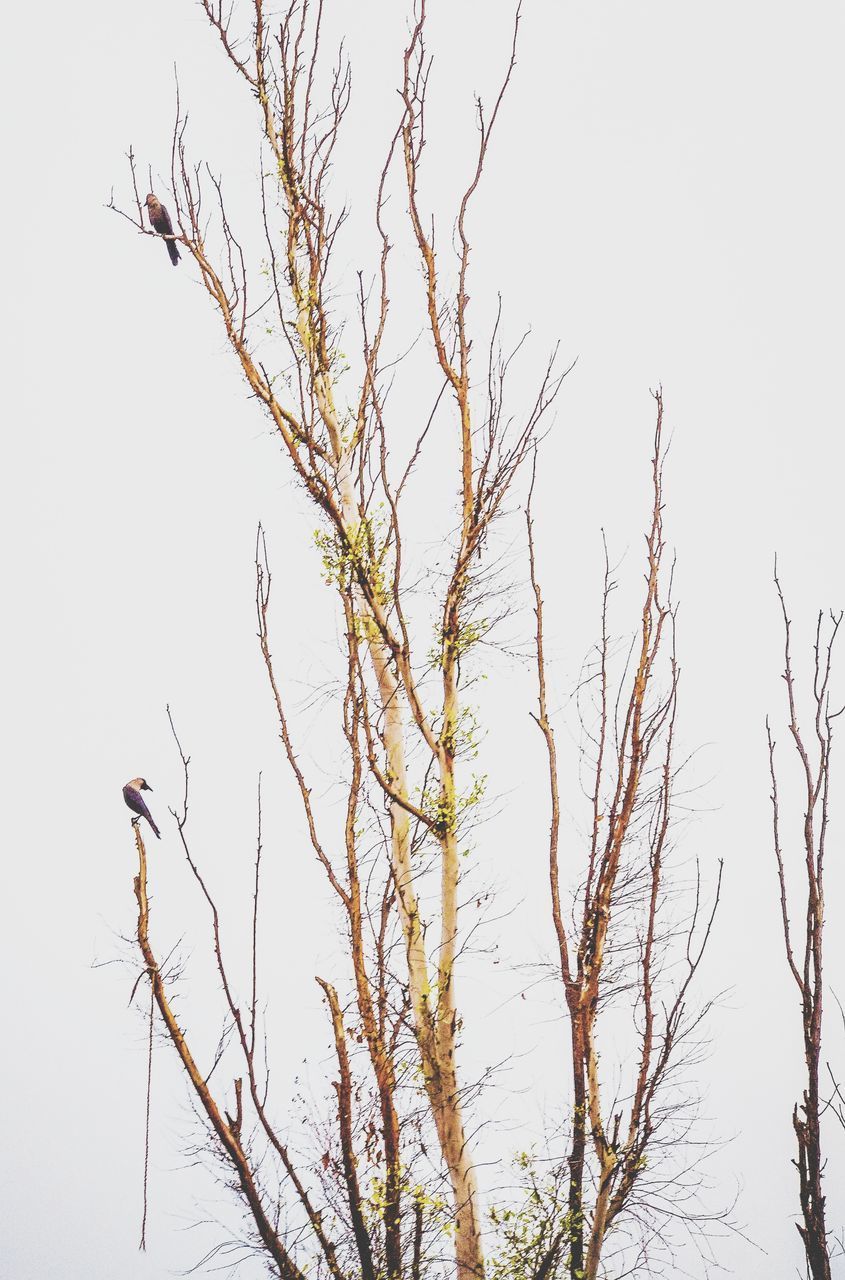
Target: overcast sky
(665, 200)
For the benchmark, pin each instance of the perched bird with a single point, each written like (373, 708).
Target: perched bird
(160, 222)
(135, 801)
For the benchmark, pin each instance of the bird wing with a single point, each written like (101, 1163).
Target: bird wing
(135, 801)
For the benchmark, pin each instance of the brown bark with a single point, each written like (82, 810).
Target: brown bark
(343, 1089)
(385, 708)
(624, 754)
(808, 972)
(226, 1134)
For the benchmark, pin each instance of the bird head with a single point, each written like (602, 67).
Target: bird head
(140, 784)
(151, 201)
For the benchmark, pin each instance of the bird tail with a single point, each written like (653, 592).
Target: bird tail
(154, 827)
(173, 250)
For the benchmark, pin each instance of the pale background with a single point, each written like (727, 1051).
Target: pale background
(665, 196)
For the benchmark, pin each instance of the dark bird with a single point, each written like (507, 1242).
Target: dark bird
(135, 801)
(160, 222)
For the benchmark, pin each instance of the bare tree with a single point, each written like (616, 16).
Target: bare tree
(805, 957)
(397, 871)
(631, 801)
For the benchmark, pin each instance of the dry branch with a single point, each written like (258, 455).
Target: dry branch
(806, 967)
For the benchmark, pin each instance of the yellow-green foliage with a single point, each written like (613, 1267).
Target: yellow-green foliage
(468, 635)
(435, 1209)
(361, 555)
(462, 738)
(445, 814)
(524, 1233)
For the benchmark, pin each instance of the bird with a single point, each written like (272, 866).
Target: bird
(135, 801)
(160, 222)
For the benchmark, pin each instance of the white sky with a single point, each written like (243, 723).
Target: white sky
(665, 197)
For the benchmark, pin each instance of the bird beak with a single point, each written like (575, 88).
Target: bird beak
(147, 787)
